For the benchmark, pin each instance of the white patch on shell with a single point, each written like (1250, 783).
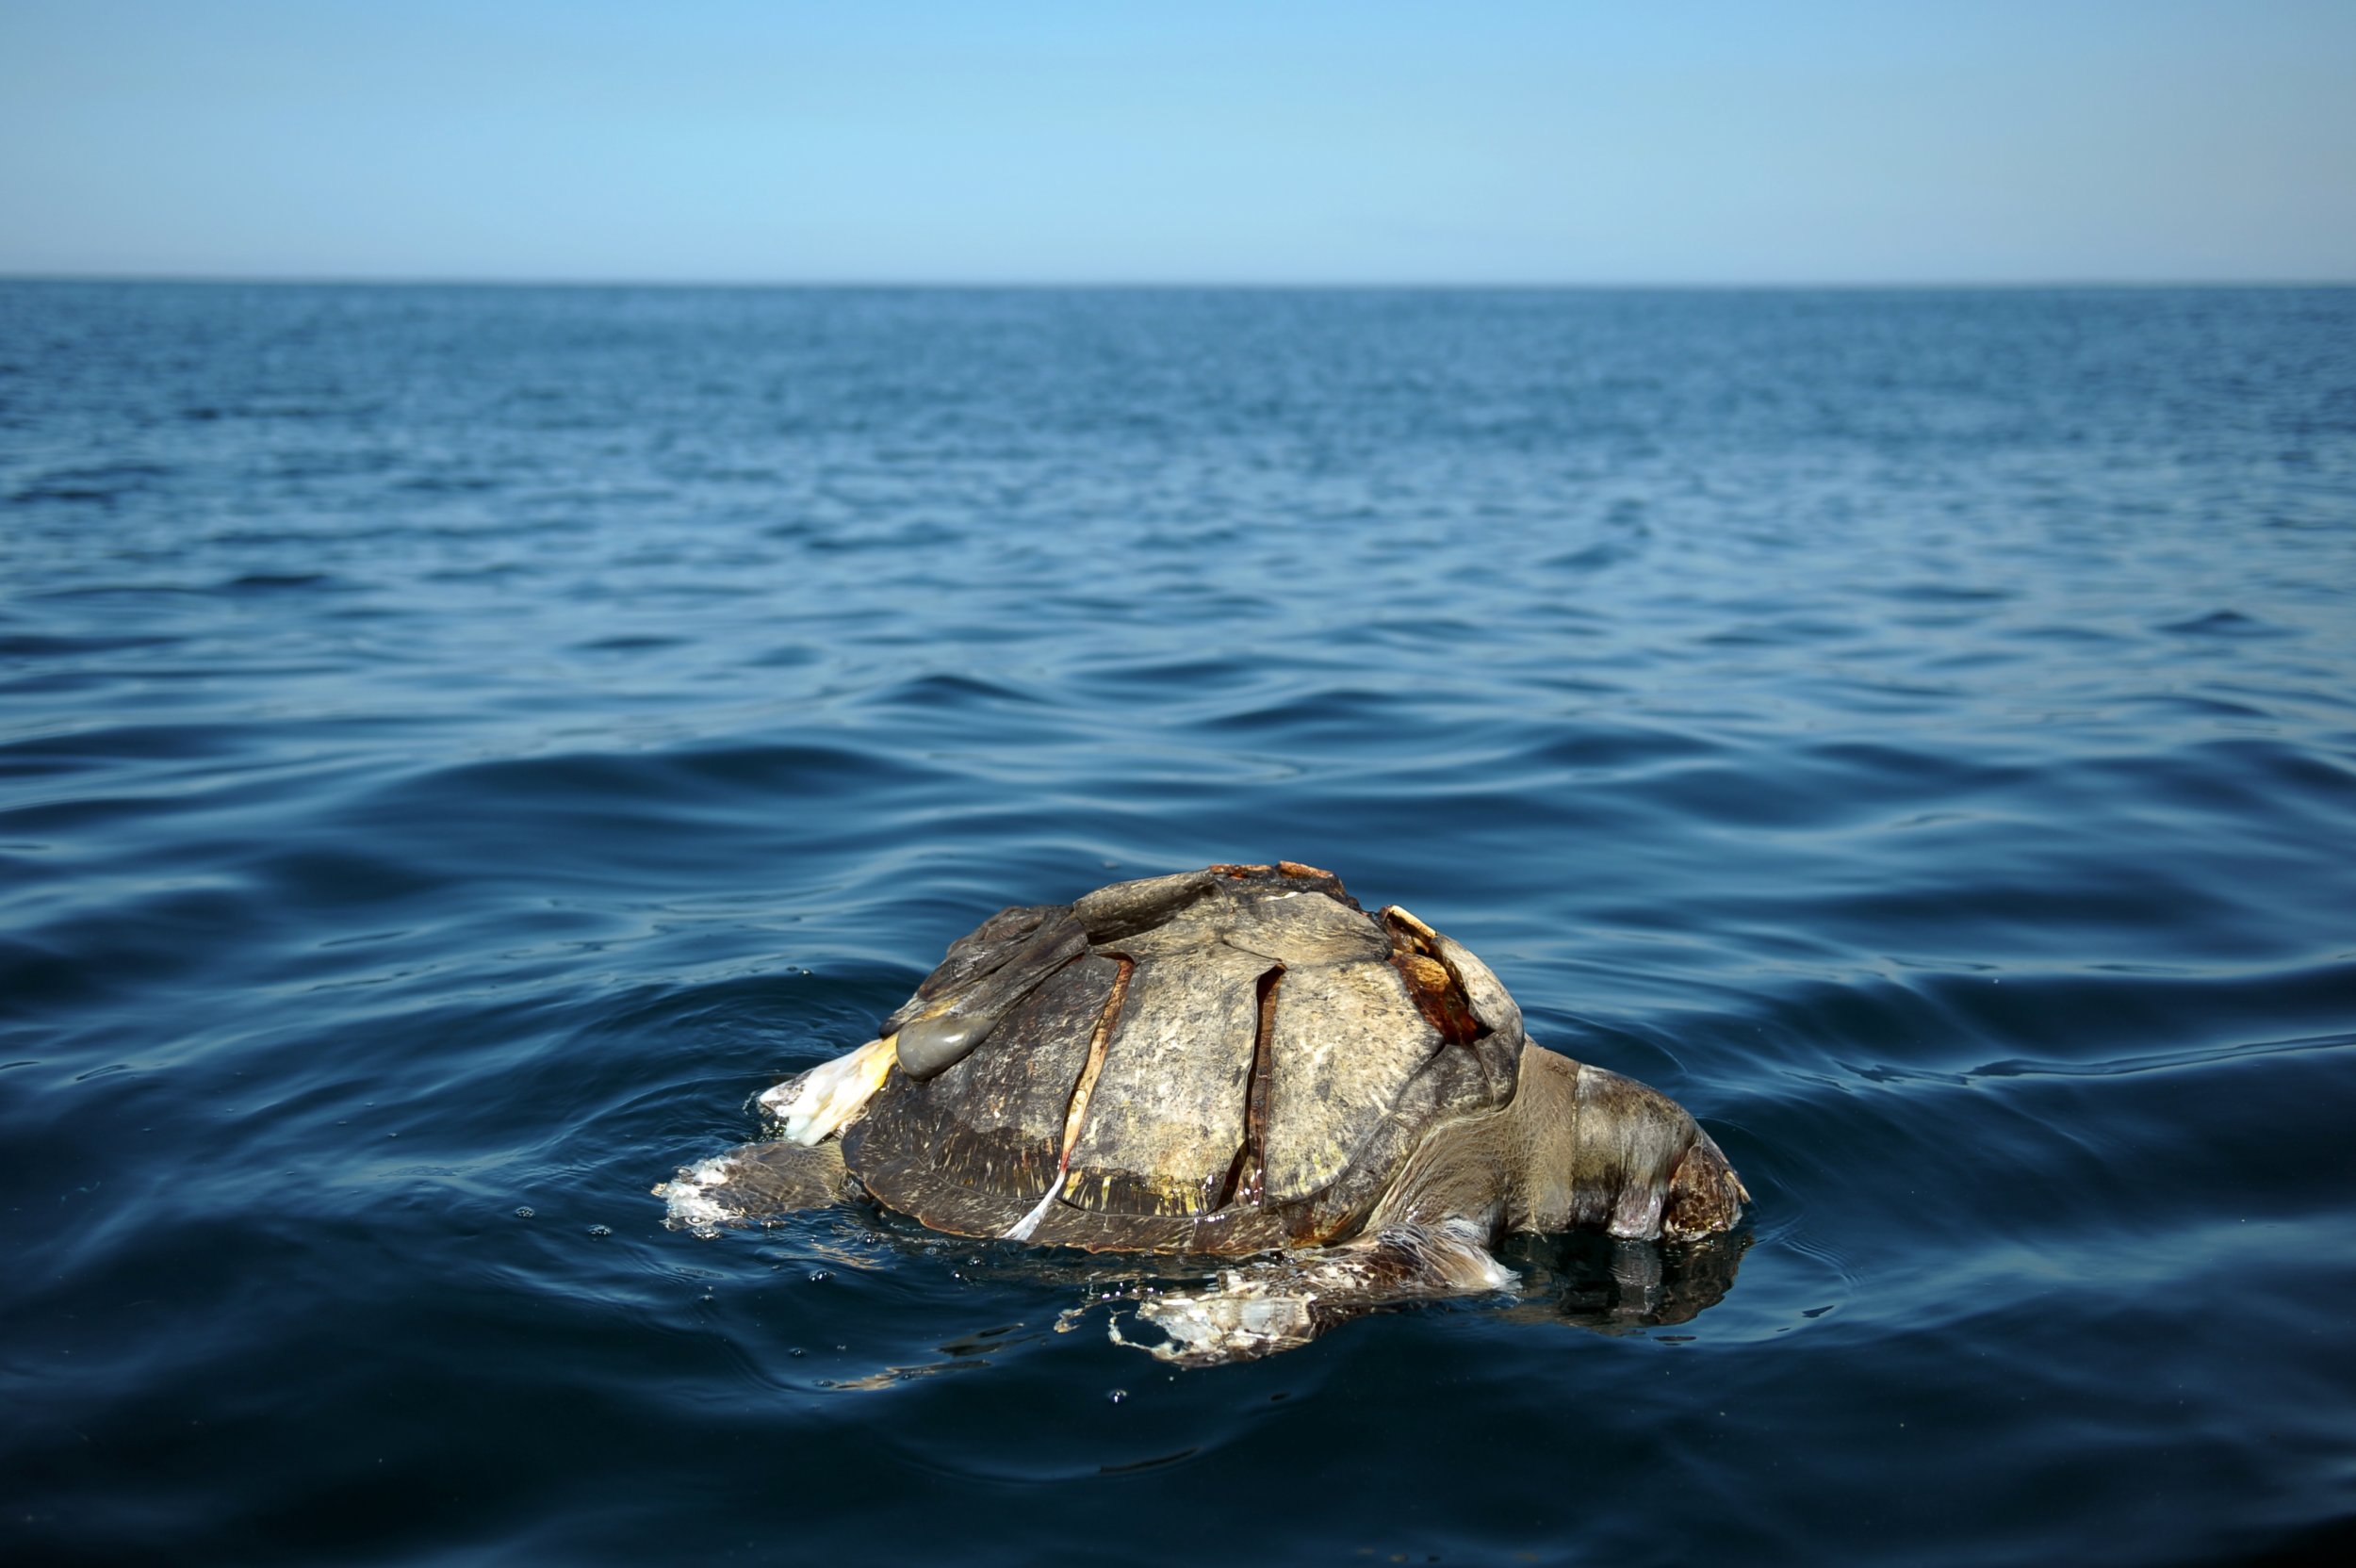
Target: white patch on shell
(1027, 1227)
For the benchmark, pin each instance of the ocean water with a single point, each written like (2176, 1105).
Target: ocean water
(457, 745)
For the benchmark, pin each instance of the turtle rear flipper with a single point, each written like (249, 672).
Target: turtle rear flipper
(1284, 1302)
(751, 1184)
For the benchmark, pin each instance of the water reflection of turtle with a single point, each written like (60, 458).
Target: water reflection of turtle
(1239, 1062)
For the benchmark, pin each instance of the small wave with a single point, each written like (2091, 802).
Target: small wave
(2223, 623)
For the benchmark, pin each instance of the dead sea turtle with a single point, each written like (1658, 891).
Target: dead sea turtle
(1235, 1061)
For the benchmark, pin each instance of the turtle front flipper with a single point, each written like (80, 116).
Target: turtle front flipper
(1283, 1302)
(983, 980)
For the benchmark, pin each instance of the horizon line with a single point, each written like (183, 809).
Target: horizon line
(1170, 286)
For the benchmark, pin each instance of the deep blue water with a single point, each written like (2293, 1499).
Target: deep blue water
(456, 746)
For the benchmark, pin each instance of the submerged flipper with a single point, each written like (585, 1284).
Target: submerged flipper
(1282, 1302)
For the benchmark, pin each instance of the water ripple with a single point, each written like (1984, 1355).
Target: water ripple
(460, 746)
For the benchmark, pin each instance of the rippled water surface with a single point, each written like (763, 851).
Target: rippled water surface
(455, 746)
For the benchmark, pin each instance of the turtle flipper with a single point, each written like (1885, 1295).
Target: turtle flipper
(751, 1184)
(1284, 1302)
(815, 1104)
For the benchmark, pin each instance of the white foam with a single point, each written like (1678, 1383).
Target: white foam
(688, 1201)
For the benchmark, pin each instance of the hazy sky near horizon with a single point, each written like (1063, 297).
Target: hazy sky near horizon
(907, 141)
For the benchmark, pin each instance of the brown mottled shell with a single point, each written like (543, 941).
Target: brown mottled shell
(1224, 1061)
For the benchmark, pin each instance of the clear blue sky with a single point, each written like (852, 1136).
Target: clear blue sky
(899, 140)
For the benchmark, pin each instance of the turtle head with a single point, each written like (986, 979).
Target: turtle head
(1705, 1195)
(1598, 1149)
